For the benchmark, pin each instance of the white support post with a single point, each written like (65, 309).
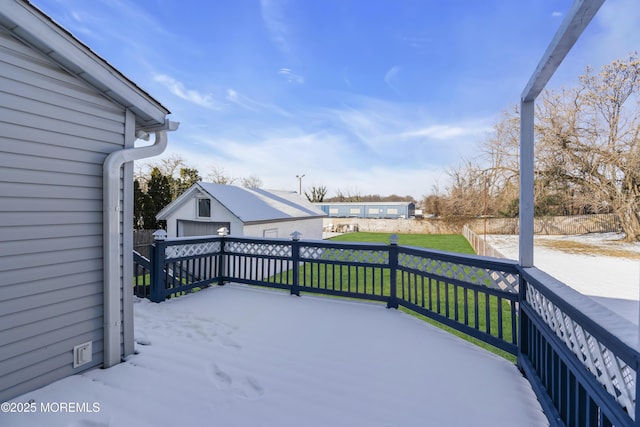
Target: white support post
(581, 13)
(527, 109)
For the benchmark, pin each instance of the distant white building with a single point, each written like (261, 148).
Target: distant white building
(204, 208)
(392, 210)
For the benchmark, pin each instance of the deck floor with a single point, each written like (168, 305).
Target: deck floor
(240, 356)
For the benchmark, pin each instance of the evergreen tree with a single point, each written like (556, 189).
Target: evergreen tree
(138, 205)
(188, 177)
(158, 196)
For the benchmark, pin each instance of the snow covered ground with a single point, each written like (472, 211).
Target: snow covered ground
(238, 356)
(597, 265)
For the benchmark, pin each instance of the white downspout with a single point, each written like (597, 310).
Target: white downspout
(111, 235)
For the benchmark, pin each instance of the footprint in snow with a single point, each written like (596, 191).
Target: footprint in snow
(141, 337)
(248, 388)
(228, 343)
(220, 378)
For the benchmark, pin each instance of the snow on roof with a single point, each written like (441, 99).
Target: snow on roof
(256, 204)
(240, 356)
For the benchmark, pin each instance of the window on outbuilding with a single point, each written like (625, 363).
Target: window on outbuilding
(270, 232)
(204, 208)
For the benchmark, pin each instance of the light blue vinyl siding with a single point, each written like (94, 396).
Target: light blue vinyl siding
(55, 132)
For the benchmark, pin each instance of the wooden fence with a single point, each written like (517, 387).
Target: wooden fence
(553, 225)
(142, 240)
(480, 244)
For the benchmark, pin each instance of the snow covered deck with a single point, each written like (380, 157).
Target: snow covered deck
(239, 356)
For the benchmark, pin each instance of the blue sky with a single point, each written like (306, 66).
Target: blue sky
(361, 96)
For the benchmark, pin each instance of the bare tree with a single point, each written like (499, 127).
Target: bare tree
(591, 141)
(466, 190)
(251, 182)
(316, 194)
(217, 175)
(587, 154)
(500, 168)
(170, 166)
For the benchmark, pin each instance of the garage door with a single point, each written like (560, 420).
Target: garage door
(197, 228)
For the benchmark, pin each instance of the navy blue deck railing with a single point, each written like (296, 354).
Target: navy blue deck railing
(141, 275)
(582, 374)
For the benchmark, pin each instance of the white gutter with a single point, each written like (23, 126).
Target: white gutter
(112, 231)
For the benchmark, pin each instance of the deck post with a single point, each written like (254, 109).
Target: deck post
(295, 258)
(526, 182)
(637, 413)
(392, 302)
(157, 268)
(522, 331)
(222, 258)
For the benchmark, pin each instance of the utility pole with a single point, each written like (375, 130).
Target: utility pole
(300, 183)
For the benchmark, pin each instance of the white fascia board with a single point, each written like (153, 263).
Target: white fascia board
(167, 210)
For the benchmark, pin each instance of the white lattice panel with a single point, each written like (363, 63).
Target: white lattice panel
(348, 255)
(193, 249)
(251, 248)
(615, 375)
(471, 274)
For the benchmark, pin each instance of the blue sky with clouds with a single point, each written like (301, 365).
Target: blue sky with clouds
(361, 96)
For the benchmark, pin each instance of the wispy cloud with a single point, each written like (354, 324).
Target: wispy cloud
(341, 148)
(557, 14)
(178, 89)
(445, 132)
(118, 20)
(274, 20)
(250, 104)
(391, 77)
(240, 100)
(282, 153)
(290, 76)
(403, 133)
(416, 41)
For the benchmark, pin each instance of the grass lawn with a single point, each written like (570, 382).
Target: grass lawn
(443, 242)
(441, 292)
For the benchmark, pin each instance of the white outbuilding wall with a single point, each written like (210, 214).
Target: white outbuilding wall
(188, 211)
(311, 229)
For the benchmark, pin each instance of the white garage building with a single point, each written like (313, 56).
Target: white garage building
(251, 212)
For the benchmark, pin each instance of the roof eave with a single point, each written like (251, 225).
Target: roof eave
(266, 221)
(168, 210)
